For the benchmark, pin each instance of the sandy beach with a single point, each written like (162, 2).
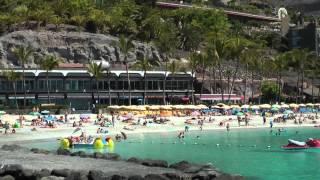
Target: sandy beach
(175, 124)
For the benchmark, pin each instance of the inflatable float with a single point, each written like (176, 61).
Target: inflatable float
(97, 143)
(310, 143)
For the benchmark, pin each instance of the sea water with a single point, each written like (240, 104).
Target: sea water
(253, 153)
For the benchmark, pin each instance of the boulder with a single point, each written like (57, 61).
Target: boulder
(61, 172)
(175, 176)
(155, 163)
(28, 174)
(155, 177)
(77, 175)
(135, 177)
(98, 155)
(96, 175)
(187, 167)
(13, 147)
(135, 160)
(13, 169)
(39, 151)
(118, 177)
(52, 178)
(111, 156)
(7, 177)
(62, 151)
(42, 173)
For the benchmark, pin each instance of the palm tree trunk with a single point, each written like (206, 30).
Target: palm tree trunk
(302, 82)
(164, 83)
(109, 89)
(233, 79)
(297, 93)
(214, 81)
(192, 87)
(312, 95)
(252, 87)
(24, 86)
(98, 92)
(145, 88)
(202, 80)
(129, 85)
(245, 84)
(48, 90)
(221, 83)
(279, 86)
(15, 95)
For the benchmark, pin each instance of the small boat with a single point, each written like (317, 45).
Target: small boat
(293, 144)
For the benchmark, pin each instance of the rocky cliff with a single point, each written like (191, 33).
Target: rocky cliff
(70, 46)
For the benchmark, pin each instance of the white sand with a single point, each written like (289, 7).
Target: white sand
(175, 124)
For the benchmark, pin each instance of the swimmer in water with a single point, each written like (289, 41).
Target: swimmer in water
(198, 137)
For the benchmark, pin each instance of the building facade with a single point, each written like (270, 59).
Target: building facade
(78, 89)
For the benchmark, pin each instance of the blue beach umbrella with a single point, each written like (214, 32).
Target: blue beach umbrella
(288, 112)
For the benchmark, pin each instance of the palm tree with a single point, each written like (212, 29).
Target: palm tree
(298, 58)
(13, 77)
(96, 71)
(23, 54)
(145, 64)
(219, 52)
(126, 45)
(280, 63)
(312, 71)
(173, 69)
(193, 65)
(238, 46)
(49, 63)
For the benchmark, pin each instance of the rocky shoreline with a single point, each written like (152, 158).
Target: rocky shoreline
(17, 162)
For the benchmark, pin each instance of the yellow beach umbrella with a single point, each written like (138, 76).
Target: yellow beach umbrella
(254, 107)
(284, 106)
(265, 106)
(245, 106)
(293, 105)
(302, 105)
(235, 106)
(310, 105)
(202, 106)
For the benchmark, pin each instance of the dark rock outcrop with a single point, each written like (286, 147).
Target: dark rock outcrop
(62, 151)
(70, 46)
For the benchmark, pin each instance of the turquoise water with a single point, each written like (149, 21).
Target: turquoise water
(243, 152)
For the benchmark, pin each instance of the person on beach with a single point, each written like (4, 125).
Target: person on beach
(113, 120)
(13, 131)
(271, 123)
(228, 127)
(186, 128)
(181, 135)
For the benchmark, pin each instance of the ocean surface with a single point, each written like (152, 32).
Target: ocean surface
(253, 153)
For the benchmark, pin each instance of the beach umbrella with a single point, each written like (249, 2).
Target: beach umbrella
(226, 107)
(45, 112)
(202, 106)
(285, 106)
(293, 105)
(220, 104)
(245, 106)
(49, 118)
(34, 113)
(310, 105)
(195, 113)
(317, 104)
(302, 105)
(9, 118)
(215, 107)
(254, 107)
(274, 109)
(265, 106)
(276, 106)
(84, 116)
(240, 114)
(288, 112)
(113, 107)
(2, 112)
(235, 106)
